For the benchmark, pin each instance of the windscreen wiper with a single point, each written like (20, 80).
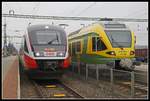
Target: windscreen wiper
(50, 42)
(113, 41)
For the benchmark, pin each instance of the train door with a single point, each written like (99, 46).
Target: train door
(84, 48)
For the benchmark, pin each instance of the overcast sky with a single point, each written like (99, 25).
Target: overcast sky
(137, 10)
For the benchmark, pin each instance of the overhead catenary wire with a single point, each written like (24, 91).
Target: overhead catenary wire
(34, 10)
(83, 11)
(136, 12)
(71, 12)
(91, 5)
(73, 18)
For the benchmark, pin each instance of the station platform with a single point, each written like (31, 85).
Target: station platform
(10, 77)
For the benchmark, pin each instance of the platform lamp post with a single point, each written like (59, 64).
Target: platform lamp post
(5, 39)
(17, 32)
(11, 12)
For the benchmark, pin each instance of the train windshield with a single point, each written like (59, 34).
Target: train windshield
(119, 38)
(47, 37)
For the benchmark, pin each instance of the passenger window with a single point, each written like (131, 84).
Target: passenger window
(97, 44)
(70, 49)
(78, 46)
(73, 48)
(94, 48)
(25, 47)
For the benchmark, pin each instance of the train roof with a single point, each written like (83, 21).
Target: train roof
(44, 26)
(106, 24)
(113, 25)
(75, 32)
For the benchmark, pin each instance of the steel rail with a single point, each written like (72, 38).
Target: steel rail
(69, 89)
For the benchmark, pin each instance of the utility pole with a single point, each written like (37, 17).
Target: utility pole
(5, 38)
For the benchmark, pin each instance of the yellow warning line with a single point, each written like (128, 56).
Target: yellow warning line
(59, 95)
(50, 86)
(128, 83)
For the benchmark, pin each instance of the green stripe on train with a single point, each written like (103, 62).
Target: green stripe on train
(96, 59)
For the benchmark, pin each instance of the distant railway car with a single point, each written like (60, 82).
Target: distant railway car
(44, 53)
(104, 42)
(141, 54)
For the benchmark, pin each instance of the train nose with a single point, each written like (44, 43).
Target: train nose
(49, 51)
(122, 53)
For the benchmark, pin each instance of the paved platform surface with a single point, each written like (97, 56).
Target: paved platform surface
(10, 75)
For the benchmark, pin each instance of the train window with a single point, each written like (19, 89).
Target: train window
(97, 44)
(25, 47)
(94, 48)
(73, 48)
(50, 37)
(70, 49)
(78, 46)
(119, 38)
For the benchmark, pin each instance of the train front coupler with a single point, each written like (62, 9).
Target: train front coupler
(127, 64)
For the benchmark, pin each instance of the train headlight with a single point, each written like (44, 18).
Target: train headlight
(37, 54)
(132, 52)
(46, 27)
(111, 53)
(60, 54)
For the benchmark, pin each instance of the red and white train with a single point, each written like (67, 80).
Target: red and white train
(44, 52)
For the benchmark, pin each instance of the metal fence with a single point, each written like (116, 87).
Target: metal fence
(120, 82)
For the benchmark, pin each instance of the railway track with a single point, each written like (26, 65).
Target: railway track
(122, 82)
(136, 89)
(140, 90)
(55, 89)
